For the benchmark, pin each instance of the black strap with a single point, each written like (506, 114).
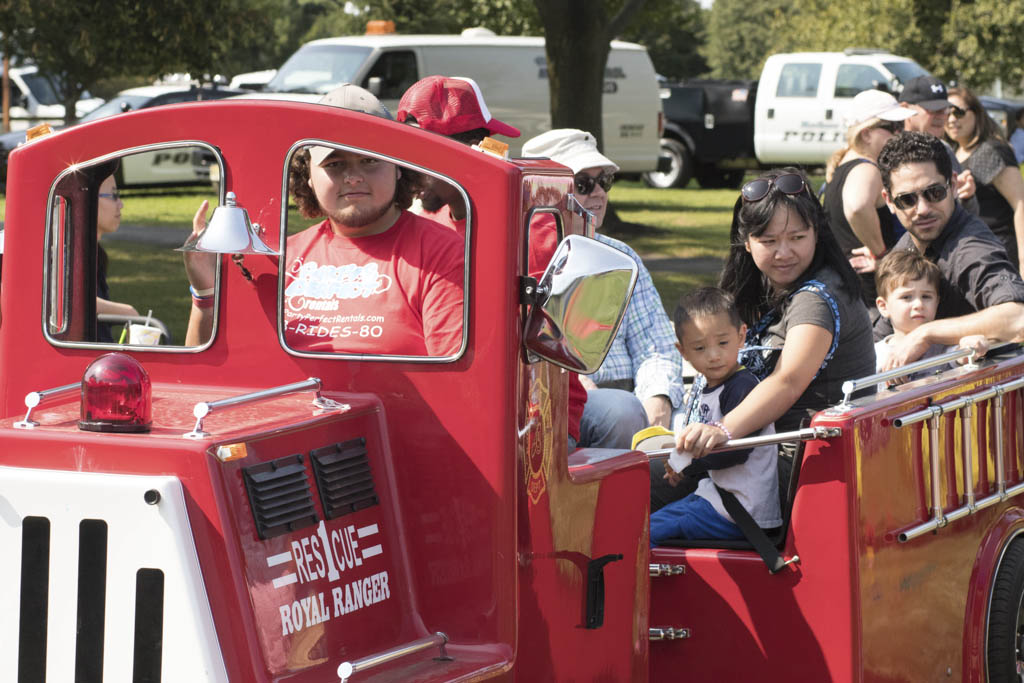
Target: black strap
(751, 531)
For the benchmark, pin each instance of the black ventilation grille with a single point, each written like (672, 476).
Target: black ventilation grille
(343, 476)
(279, 496)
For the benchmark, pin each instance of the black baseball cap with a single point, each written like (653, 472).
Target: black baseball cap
(925, 91)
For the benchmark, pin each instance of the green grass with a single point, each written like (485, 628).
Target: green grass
(161, 286)
(684, 224)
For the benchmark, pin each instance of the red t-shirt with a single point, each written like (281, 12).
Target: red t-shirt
(399, 292)
(442, 216)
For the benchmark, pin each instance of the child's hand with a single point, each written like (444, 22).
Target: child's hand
(975, 342)
(698, 439)
(671, 475)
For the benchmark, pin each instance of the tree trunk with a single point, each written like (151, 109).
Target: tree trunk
(577, 46)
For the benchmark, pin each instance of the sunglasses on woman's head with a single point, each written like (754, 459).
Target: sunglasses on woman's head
(585, 183)
(957, 112)
(787, 183)
(931, 194)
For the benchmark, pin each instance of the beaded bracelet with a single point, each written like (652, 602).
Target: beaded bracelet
(728, 434)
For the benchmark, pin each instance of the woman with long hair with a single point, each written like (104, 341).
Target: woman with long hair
(796, 291)
(853, 199)
(108, 220)
(981, 148)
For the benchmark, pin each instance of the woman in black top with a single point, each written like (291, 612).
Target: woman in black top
(108, 220)
(980, 147)
(857, 213)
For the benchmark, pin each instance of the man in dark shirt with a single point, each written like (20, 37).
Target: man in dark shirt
(981, 292)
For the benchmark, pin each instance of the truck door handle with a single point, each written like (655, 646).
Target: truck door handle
(828, 114)
(771, 113)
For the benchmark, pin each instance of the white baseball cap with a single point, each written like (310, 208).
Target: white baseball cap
(874, 104)
(571, 147)
(348, 96)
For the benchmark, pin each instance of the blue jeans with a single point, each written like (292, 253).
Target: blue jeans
(691, 517)
(610, 419)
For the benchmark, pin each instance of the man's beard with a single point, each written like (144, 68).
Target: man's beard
(360, 216)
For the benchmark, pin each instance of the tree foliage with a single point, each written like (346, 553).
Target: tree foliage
(672, 31)
(970, 41)
(985, 41)
(79, 43)
(740, 36)
(504, 17)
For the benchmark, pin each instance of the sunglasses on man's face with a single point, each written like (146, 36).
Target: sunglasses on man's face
(957, 112)
(585, 183)
(787, 183)
(931, 194)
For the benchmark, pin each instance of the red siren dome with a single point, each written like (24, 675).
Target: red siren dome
(117, 395)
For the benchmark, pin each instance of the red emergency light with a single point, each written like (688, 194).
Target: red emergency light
(117, 395)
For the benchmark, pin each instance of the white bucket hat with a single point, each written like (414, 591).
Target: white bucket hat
(874, 104)
(571, 147)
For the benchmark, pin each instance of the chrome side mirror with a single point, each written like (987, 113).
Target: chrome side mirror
(580, 301)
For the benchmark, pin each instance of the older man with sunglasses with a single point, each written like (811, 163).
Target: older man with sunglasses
(926, 97)
(980, 292)
(643, 365)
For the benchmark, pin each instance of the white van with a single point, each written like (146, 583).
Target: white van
(34, 100)
(801, 98)
(511, 72)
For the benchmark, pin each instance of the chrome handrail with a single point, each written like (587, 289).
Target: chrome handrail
(851, 386)
(34, 398)
(949, 406)
(204, 408)
(933, 413)
(805, 434)
(438, 640)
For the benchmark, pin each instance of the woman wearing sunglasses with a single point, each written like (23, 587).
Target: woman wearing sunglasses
(853, 201)
(981, 148)
(801, 300)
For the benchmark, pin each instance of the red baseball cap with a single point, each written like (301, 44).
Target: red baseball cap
(450, 105)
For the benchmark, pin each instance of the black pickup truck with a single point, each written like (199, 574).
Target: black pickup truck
(709, 133)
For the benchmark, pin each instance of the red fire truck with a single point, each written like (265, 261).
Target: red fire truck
(298, 516)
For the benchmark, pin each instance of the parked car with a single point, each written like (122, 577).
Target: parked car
(715, 129)
(155, 168)
(252, 80)
(34, 100)
(1003, 111)
(510, 70)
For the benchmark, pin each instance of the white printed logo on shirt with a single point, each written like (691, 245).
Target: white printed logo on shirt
(349, 281)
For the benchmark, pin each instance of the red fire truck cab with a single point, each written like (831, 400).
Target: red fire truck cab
(272, 513)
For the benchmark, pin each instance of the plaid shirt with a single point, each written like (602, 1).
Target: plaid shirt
(644, 348)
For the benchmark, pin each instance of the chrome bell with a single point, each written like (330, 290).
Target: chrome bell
(229, 232)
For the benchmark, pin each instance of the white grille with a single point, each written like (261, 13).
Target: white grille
(139, 535)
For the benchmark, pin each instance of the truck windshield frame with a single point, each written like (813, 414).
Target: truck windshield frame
(286, 231)
(71, 231)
